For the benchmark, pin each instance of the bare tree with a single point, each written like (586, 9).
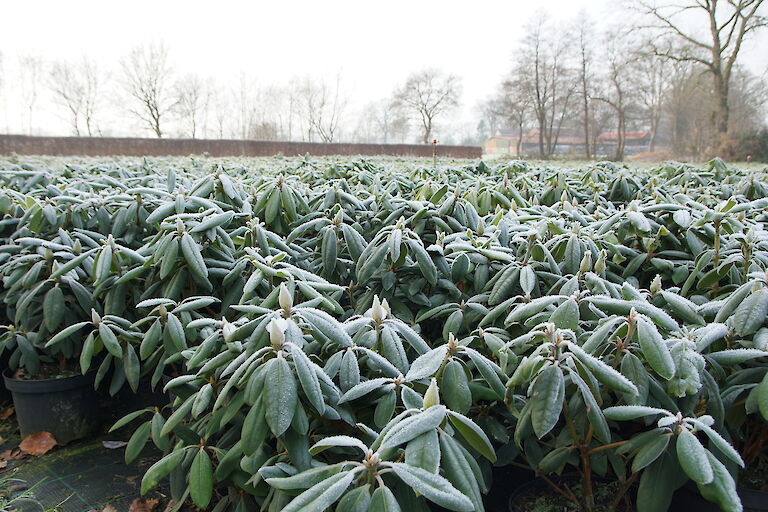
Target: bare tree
(93, 79)
(76, 87)
(427, 95)
(30, 74)
(619, 79)
(192, 99)
(322, 106)
(67, 91)
(653, 76)
(513, 104)
(147, 78)
(376, 121)
(714, 43)
(542, 64)
(221, 110)
(244, 104)
(585, 35)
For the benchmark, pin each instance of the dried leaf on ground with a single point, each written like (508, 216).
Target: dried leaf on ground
(13, 454)
(108, 508)
(143, 505)
(7, 413)
(113, 445)
(38, 444)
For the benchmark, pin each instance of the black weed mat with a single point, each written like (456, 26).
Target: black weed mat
(83, 475)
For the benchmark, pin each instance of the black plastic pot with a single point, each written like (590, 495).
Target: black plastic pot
(5, 395)
(67, 407)
(753, 501)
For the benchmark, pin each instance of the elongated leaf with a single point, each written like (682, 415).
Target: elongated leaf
(321, 495)
(201, 479)
(547, 396)
(433, 487)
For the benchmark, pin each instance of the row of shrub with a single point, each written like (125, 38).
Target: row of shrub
(377, 335)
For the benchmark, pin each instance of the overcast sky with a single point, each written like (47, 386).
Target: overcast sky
(374, 44)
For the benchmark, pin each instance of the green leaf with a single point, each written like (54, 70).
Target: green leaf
(657, 484)
(631, 412)
(473, 434)
(53, 308)
(414, 426)
(566, 316)
(604, 373)
(693, 458)
(201, 479)
(719, 442)
(547, 395)
(280, 395)
(433, 487)
(460, 468)
(333, 441)
(65, 333)
(751, 313)
(363, 389)
(137, 442)
(722, 490)
(308, 379)
(650, 451)
(132, 368)
(193, 256)
(762, 396)
(127, 419)
(424, 452)
(654, 349)
(427, 364)
(356, 500)
(455, 386)
(383, 500)
(321, 495)
(110, 341)
(160, 470)
(305, 479)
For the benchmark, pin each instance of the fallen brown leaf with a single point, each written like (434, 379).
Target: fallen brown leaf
(7, 413)
(109, 508)
(38, 444)
(143, 505)
(12, 454)
(113, 445)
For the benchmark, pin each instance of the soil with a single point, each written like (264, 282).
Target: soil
(45, 372)
(541, 498)
(755, 476)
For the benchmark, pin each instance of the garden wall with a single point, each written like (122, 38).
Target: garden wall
(108, 146)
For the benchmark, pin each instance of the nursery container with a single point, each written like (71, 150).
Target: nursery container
(67, 407)
(752, 500)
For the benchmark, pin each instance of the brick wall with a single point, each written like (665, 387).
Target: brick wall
(108, 146)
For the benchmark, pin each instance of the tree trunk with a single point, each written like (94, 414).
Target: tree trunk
(722, 112)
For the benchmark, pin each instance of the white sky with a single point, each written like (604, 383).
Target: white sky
(374, 44)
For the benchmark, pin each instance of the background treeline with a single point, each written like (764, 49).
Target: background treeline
(673, 71)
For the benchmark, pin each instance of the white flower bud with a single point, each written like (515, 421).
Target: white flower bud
(600, 265)
(276, 333)
(378, 313)
(284, 298)
(586, 263)
(432, 396)
(656, 285)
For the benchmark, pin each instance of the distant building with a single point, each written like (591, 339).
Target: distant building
(505, 142)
